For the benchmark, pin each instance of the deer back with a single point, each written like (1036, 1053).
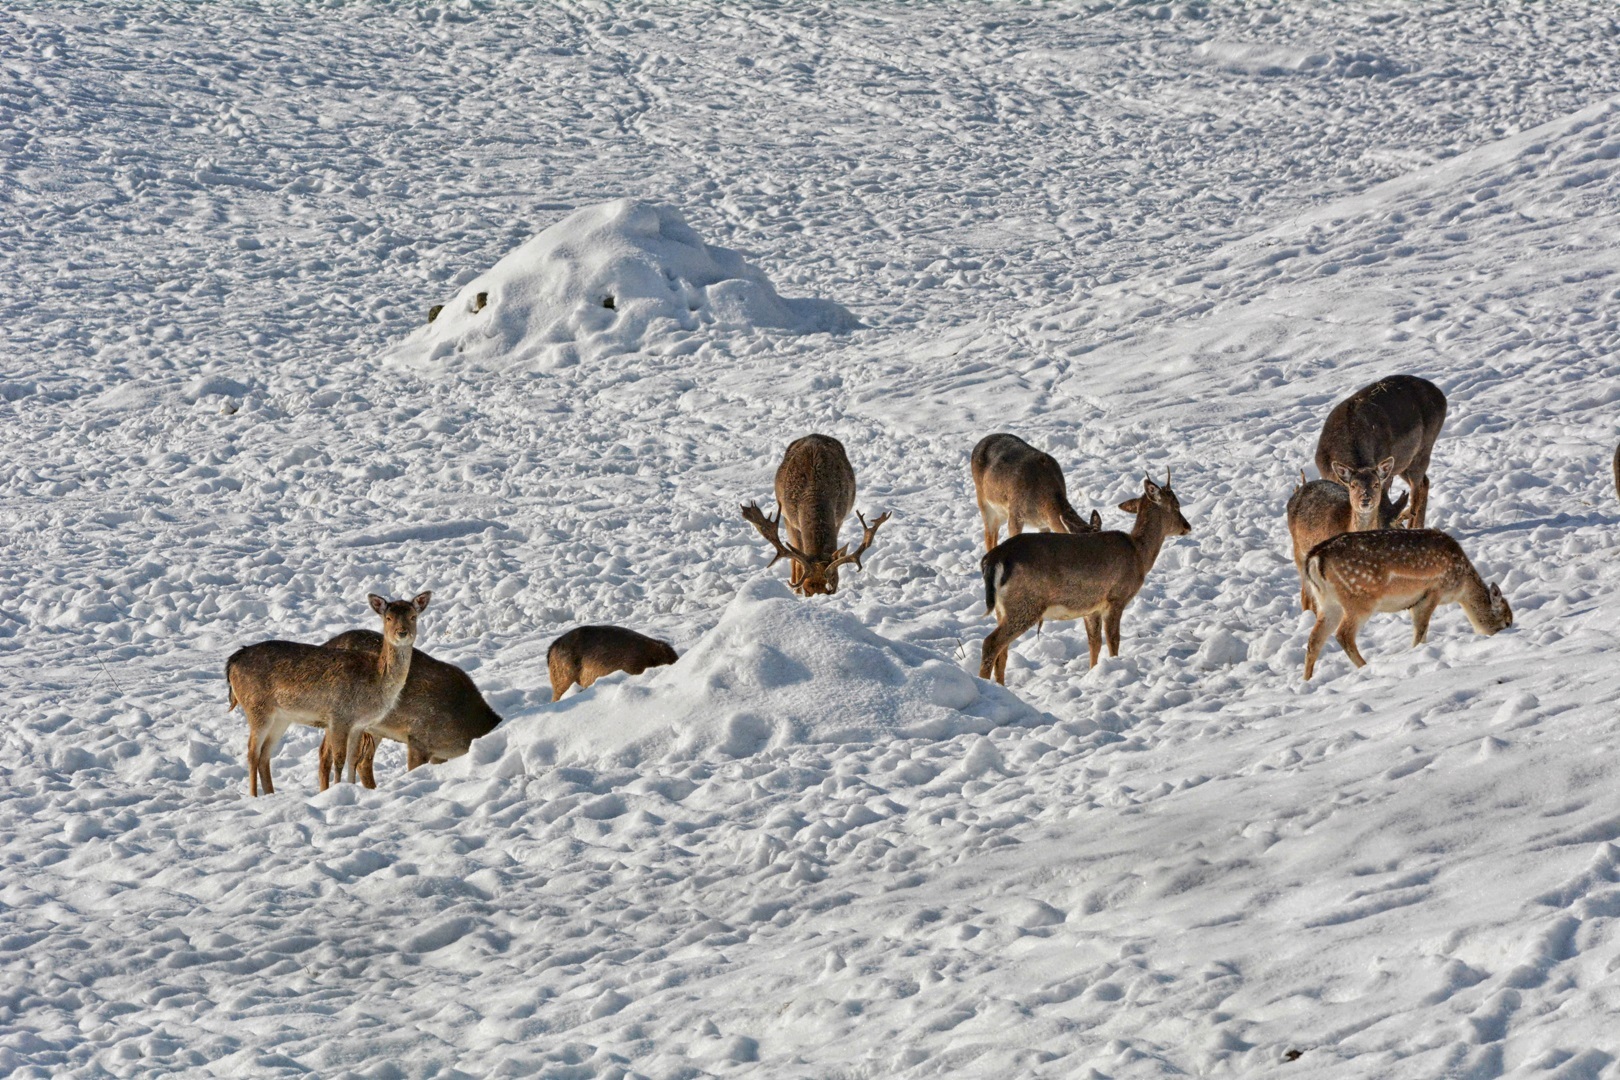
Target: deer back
(1025, 483)
(1396, 417)
(305, 679)
(815, 489)
(1389, 569)
(439, 706)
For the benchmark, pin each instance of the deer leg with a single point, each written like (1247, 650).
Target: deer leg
(415, 756)
(1111, 618)
(1015, 525)
(325, 763)
(1417, 482)
(253, 762)
(1325, 620)
(1094, 636)
(1421, 613)
(351, 751)
(1348, 625)
(992, 526)
(363, 765)
(993, 658)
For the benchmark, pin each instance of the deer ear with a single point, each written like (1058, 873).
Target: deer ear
(378, 604)
(1153, 491)
(1096, 521)
(1386, 468)
(1131, 506)
(1342, 474)
(420, 602)
(1496, 591)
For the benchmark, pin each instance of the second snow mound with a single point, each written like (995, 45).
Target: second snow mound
(777, 671)
(620, 277)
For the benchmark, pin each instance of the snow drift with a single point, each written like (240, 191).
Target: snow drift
(776, 671)
(620, 277)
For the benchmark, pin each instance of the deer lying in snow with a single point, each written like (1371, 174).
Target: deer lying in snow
(1092, 576)
(1319, 510)
(815, 491)
(1355, 574)
(586, 653)
(1382, 431)
(1018, 484)
(280, 683)
(438, 715)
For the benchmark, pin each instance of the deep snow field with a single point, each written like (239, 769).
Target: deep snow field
(1142, 236)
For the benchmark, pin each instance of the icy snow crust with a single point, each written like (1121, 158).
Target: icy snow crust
(1080, 225)
(625, 276)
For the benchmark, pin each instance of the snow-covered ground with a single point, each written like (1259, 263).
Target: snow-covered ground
(1143, 237)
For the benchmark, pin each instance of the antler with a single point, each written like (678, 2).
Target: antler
(767, 528)
(866, 542)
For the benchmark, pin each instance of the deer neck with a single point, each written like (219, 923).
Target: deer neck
(1475, 598)
(1148, 536)
(393, 665)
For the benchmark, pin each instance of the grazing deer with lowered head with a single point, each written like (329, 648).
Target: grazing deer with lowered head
(1319, 510)
(1016, 483)
(1380, 432)
(1355, 574)
(279, 683)
(438, 715)
(815, 491)
(1033, 577)
(586, 653)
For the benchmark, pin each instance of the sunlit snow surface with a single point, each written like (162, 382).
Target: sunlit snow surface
(1163, 236)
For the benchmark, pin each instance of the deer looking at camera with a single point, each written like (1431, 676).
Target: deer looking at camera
(1033, 577)
(438, 715)
(1356, 574)
(1319, 510)
(815, 491)
(280, 683)
(586, 653)
(1382, 431)
(1018, 484)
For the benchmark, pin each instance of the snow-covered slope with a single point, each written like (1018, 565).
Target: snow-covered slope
(1157, 236)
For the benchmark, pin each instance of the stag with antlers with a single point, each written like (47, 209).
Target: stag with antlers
(815, 491)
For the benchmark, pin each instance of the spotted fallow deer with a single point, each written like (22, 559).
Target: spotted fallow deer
(586, 653)
(1382, 431)
(815, 491)
(438, 715)
(1356, 574)
(1017, 484)
(1319, 510)
(1033, 577)
(280, 683)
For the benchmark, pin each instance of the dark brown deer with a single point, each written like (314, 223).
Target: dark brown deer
(586, 653)
(1033, 577)
(1380, 432)
(1356, 574)
(1017, 484)
(280, 683)
(1319, 510)
(815, 491)
(438, 715)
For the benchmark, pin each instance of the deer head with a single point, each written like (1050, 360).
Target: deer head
(1367, 488)
(813, 575)
(399, 616)
(1158, 502)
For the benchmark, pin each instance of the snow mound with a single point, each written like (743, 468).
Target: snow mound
(776, 671)
(620, 277)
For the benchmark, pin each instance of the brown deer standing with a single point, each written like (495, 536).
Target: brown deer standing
(1382, 431)
(1016, 483)
(815, 491)
(1356, 574)
(1319, 510)
(586, 653)
(280, 683)
(1092, 576)
(438, 715)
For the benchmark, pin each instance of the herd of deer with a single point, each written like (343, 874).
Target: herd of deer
(1356, 551)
